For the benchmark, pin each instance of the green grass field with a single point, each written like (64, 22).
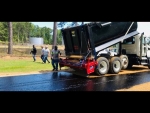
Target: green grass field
(23, 65)
(21, 60)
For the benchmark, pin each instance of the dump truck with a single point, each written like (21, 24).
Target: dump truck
(85, 45)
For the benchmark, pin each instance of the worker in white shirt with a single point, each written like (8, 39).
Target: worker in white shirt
(46, 54)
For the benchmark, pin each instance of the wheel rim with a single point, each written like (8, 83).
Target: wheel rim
(116, 66)
(125, 62)
(103, 67)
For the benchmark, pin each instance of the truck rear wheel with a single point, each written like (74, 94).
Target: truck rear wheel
(103, 66)
(124, 61)
(115, 65)
(148, 66)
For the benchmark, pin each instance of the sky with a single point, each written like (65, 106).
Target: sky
(142, 26)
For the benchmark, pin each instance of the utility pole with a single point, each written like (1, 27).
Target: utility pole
(55, 33)
(10, 37)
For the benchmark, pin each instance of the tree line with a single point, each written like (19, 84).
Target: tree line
(20, 32)
(23, 30)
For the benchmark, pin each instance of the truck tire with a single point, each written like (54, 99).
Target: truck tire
(102, 67)
(124, 61)
(115, 65)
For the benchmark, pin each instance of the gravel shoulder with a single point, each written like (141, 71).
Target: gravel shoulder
(140, 87)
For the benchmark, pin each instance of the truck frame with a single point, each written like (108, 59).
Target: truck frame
(84, 45)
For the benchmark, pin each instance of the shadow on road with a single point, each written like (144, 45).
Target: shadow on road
(138, 68)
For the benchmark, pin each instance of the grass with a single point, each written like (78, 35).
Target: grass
(21, 61)
(23, 65)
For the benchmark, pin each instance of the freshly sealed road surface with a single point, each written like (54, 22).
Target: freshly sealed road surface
(66, 81)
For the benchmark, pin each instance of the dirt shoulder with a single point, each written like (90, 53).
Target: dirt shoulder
(17, 74)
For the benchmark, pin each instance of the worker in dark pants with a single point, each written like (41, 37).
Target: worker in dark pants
(42, 54)
(55, 58)
(34, 51)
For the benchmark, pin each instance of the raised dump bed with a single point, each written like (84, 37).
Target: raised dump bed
(83, 43)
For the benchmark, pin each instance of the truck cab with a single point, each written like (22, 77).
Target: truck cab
(137, 49)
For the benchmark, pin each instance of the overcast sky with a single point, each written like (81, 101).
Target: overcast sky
(142, 26)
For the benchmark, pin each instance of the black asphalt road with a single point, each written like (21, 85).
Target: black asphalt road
(65, 81)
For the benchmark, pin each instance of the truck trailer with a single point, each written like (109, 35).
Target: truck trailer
(85, 45)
